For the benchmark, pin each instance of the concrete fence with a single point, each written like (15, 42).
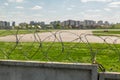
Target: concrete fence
(109, 76)
(29, 70)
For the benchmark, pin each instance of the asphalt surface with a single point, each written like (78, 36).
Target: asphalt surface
(62, 36)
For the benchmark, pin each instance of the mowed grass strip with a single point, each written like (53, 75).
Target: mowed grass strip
(106, 54)
(106, 33)
(16, 32)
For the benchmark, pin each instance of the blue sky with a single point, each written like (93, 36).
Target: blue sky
(50, 10)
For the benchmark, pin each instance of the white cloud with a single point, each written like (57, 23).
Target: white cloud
(37, 7)
(107, 9)
(37, 15)
(52, 11)
(69, 9)
(114, 4)
(92, 16)
(95, 1)
(94, 10)
(15, 1)
(6, 4)
(73, 6)
(11, 0)
(19, 0)
(19, 7)
(16, 13)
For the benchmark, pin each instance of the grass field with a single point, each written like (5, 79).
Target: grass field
(106, 33)
(116, 26)
(14, 32)
(106, 54)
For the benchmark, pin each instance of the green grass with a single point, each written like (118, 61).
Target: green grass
(106, 54)
(116, 26)
(106, 33)
(14, 32)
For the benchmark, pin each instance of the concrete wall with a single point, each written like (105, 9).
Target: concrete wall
(109, 76)
(17, 70)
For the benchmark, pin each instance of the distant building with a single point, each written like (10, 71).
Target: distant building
(23, 25)
(35, 23)
(32, 23)
(5, 25)
(82, 22)
(77, 23)
(69, 24)
(106, 23)
(89, 23)
(13, 23)
(55, 24)
(100, 23)
(42, 24)
(1, 24)
(65, 23)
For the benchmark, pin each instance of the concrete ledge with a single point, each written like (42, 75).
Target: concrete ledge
(12, 70)
(47, 64)
(109, 76)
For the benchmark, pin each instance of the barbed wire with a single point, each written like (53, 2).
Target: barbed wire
(59, 45)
